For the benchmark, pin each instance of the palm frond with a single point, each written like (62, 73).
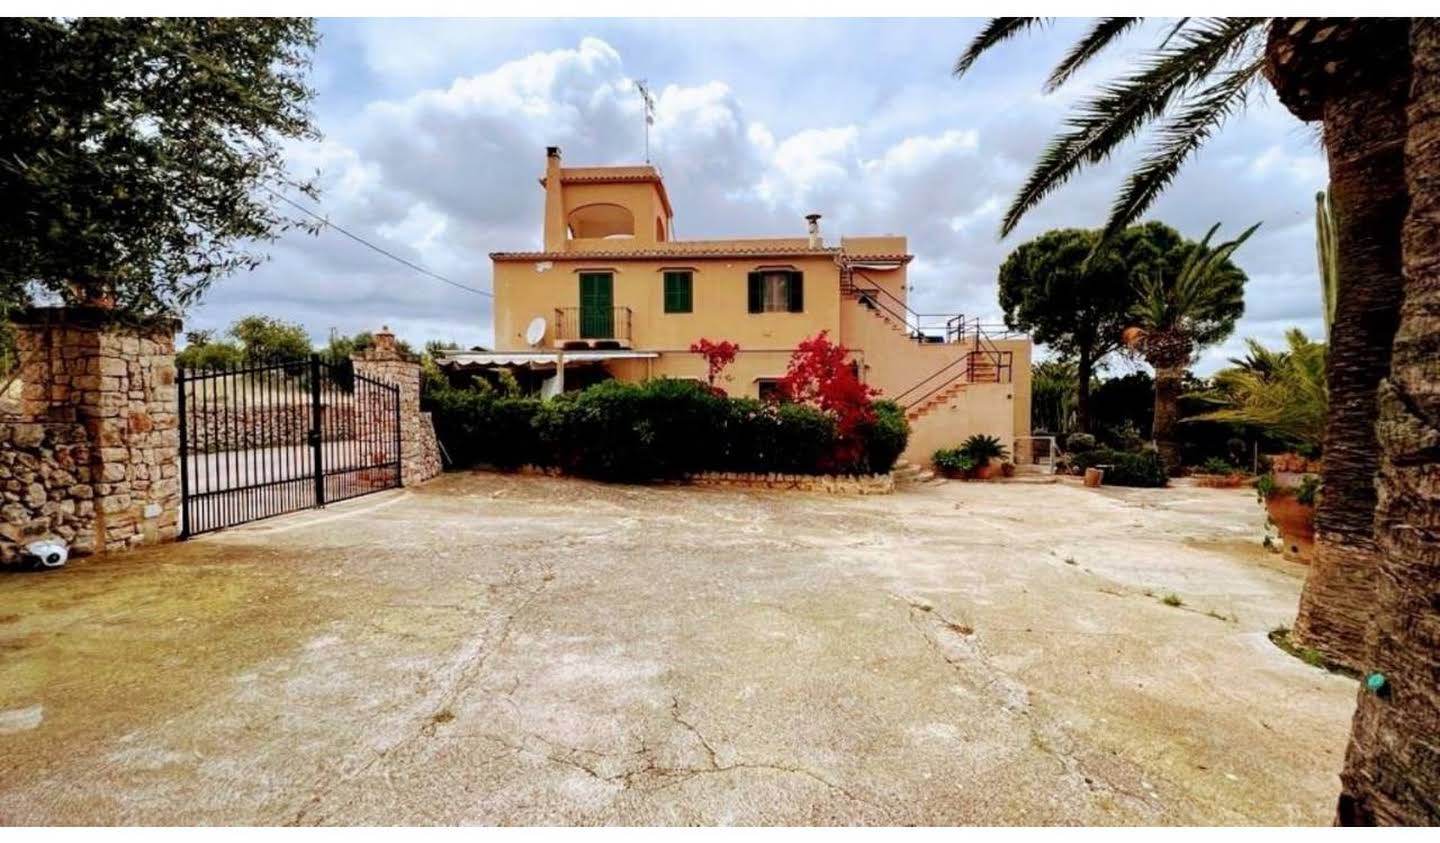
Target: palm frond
(1088, 47)
(995, 31)
(1289, 401)
(1201, 116)
(1123, 108)
(1179, 25)
(1173, 304)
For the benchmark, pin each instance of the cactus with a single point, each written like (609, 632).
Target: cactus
(1325, 252)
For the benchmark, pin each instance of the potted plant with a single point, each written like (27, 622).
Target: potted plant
(1216, 473)
(952, 462)
(1292, 510)
(983, 449)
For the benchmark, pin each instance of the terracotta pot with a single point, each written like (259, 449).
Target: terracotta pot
(986, 471)
(1296, 523)
(1094, 476)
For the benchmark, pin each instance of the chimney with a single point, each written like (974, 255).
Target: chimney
(555, 229)
(813, 228)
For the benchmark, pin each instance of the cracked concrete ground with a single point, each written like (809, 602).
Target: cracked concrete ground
(493, 649)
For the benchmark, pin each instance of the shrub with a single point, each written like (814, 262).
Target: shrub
(1079, 443)
(821, 373)
(884, 436)
(654, 430)
(953, 461)
(1145, 469)
(1217, 465)
(982, 448)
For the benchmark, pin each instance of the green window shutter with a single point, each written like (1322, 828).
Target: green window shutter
(797, 292)
(757, 292)
(679, 296)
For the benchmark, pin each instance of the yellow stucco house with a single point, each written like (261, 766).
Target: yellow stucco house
(612, 294)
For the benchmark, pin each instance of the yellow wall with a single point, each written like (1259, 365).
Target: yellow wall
(640, 198)
(526, 289)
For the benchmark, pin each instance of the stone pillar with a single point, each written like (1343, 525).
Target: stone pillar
(117, 382)
(419, 450)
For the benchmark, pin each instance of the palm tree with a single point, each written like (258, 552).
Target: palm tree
(1349, 74)
(1353, 76)
(1392, 768)
(1280, 392)
(1178, 313)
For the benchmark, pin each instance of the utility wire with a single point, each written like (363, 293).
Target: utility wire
(366, 243)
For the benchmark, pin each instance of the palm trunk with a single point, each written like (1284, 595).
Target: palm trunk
(1168, 383)
(1365, 140)
(1392, 767)
(1082, 393)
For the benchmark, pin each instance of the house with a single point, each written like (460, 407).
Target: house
(613, 294)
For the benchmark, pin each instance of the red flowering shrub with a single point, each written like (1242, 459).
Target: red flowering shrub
(822, 375)
(717, 356)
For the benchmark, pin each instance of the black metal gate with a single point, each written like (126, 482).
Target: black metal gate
(266, 439)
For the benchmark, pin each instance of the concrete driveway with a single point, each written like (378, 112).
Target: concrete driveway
(492, 649)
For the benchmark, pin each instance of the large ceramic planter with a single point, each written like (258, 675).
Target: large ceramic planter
(986, 471)
(1295, 522)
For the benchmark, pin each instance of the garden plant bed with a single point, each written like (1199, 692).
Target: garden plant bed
(836, 484)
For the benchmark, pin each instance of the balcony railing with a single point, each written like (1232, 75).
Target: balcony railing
(597, 327)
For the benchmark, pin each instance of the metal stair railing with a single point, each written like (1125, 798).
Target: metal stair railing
(918, 326)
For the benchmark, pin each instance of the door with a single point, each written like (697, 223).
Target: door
(597, 305)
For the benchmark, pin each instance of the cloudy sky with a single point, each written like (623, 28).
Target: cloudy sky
(435, 134)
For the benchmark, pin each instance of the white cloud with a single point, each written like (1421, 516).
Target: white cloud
(434, 153)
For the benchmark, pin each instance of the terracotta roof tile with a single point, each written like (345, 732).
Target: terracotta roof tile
(706, 251)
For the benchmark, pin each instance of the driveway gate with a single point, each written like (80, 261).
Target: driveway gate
(266, 439)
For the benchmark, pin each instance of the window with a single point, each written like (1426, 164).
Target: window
(679, 291)
(777, 291)
(769, 389)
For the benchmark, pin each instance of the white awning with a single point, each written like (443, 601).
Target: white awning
(536, 358)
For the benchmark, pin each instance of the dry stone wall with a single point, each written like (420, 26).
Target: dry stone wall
(227, 427)
(45, 476)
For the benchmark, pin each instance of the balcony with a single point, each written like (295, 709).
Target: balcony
(592, 327)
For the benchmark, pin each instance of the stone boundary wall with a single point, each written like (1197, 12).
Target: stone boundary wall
(833, 484)
(47, 489)
(222, 427)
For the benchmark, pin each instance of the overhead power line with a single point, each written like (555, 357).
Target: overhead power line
(323, 220)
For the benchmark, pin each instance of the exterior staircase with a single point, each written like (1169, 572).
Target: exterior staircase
(937, 400)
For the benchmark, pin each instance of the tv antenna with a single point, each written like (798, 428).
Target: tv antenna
(649, 109)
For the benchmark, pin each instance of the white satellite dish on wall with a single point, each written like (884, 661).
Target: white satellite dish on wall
(536, 331)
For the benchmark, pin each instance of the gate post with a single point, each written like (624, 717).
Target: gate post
(80, 367)
(419, 451)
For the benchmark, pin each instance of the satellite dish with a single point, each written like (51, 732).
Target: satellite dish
(536, 332)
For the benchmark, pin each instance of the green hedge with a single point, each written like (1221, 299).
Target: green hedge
(1125, 468)
(655, 430)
